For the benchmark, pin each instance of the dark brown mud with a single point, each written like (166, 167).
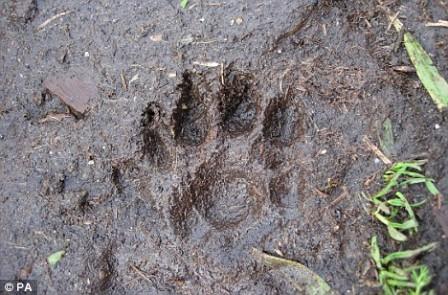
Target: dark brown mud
(216, 129)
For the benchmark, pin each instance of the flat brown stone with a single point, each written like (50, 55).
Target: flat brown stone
(73, 91)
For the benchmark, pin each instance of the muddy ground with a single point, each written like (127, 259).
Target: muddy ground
(180, 168)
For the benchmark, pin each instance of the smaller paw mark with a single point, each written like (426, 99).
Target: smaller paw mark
(237, 104)
(283, 122)
(190, 115)
(153, 145)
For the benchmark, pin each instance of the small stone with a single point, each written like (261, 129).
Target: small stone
(156, 38)
(73, 91)
(239, 20)
(437, 126)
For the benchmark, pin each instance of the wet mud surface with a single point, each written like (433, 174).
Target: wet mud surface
(217, 129)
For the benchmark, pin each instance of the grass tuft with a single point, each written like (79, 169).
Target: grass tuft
(396, 279)
(392, 207)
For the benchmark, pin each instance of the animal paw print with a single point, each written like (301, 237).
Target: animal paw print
(223, 192)
(153, 145)
(237, 104)
(225, 198)
(190, 116)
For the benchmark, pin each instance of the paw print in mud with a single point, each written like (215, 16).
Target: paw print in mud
(224, 148)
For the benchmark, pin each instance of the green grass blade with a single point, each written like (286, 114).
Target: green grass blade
(395, 276)
(375, 252)
(428, 74)
(409, 253)
(381, 218)
(54, 258)
(396, 235)
(421, 278)
(396, 202)
(432, 188)
(417, 165)
(183, 3)
(402, 284)
(385, 190)
(388, 290)
(406, 205)
(413, 181)
(413, 174)
(408, 224)
(418, 204)
(387, 137)
(402, 271)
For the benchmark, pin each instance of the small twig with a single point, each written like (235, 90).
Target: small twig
(55, 17)
(141, 273)
(222, 74)
(208, 64)
(404, 69)
(55, 117)
(320, 193)
(124, 82)
(376, 151)
(342, 196)
(440, 23)
(439, 201)
(392, 20)
(215, 4)
(206, 41)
